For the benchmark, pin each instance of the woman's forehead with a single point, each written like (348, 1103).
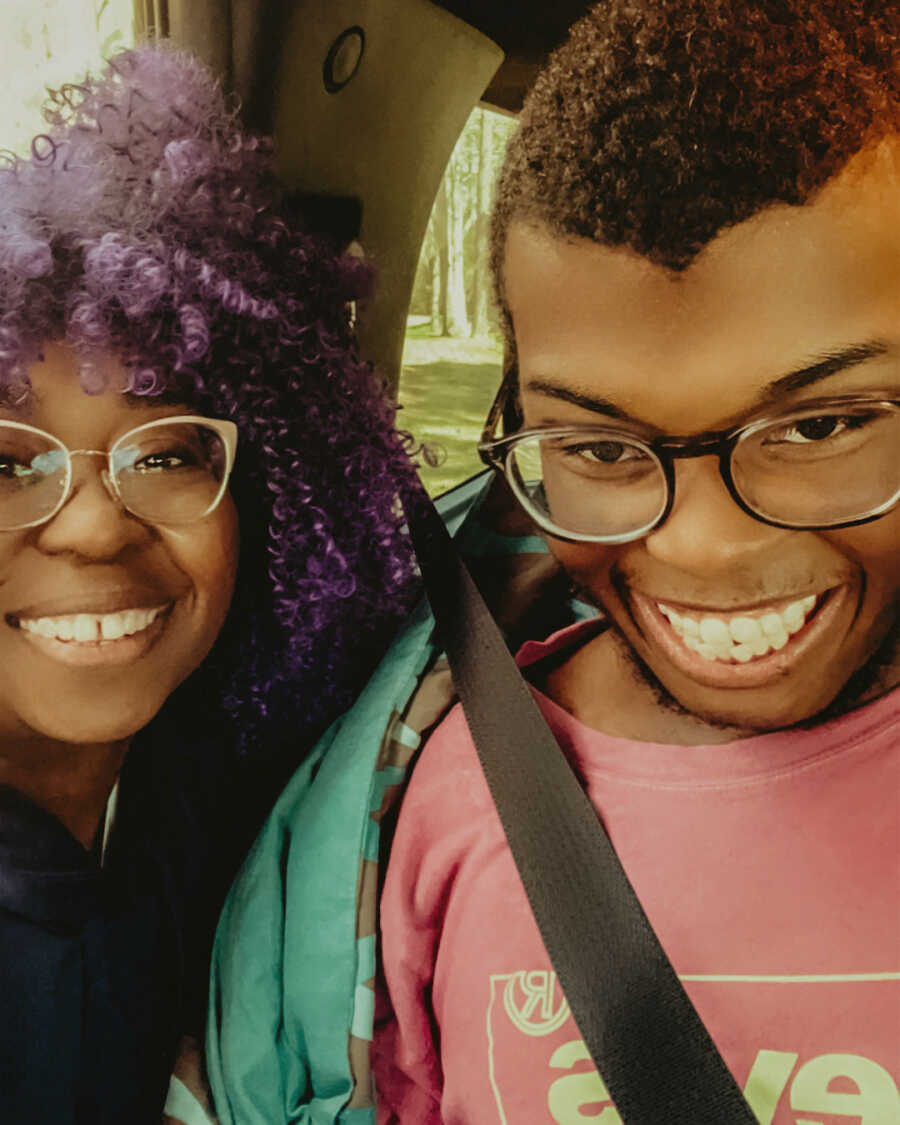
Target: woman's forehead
(56, 391)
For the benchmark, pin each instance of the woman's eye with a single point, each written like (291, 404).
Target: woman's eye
(163, 461)
(12, 468)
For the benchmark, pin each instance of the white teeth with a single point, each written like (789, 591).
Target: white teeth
(89, 628)
(780, 641)
(771, 624)
(739, 638)
(65, 630)
(794, 616)
(112, 626)
(760, 646)
(745, 630)
(714, 631)
(85, 628)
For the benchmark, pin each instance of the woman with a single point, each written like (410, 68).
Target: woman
(199, 562)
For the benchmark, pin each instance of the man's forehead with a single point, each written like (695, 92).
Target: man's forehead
(788, 291)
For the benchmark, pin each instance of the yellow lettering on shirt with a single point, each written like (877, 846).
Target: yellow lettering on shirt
(766, 1082)
(582, 1095)
(585, 1089)
(875, 1102)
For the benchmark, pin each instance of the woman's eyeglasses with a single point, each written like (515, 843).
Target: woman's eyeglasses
(171, 471)
(833, 463)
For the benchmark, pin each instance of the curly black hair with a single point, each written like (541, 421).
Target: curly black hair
(661, 122)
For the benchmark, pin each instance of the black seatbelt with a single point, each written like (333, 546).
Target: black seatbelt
(643, 1033)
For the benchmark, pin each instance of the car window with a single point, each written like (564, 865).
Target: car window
(453, 351)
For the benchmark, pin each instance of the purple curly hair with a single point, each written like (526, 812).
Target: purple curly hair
(146, 223)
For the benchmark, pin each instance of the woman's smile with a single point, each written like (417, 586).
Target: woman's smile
(91, 639)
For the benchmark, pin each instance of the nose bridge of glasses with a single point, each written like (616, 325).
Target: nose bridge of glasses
(712, 444)
(105, 473)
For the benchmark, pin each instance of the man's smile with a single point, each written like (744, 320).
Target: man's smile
(739, 637)
(746, 649)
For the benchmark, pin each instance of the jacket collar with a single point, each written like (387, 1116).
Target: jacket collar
(46, 875)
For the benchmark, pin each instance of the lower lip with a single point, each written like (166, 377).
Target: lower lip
(100, 654)
(755, 673)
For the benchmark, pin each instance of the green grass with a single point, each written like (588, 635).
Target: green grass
(446, 388)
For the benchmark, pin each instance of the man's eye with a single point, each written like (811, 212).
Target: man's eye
(819, 429)
(604, 452)
(816, 429)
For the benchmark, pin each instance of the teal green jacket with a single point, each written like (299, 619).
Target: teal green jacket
(292, 999)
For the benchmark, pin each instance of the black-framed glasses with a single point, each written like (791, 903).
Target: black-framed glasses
(834, 462)
(170, 471)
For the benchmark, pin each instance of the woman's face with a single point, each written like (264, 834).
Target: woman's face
(96, 561)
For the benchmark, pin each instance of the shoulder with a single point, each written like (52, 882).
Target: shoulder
(447, 775)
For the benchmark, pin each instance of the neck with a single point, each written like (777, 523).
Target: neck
(71, 781)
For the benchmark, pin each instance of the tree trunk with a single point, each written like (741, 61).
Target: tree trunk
(481, 321)
(457, 322)
(439, 266)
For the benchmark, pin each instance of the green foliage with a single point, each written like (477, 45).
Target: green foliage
(453, 355)
(99, 9)
(452, 284)
(445, 396)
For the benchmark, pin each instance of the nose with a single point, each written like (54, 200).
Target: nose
(92, 522)
(707, 533)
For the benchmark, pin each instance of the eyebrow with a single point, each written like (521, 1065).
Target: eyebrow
(821, 367)
(132, 401)
(164, 398)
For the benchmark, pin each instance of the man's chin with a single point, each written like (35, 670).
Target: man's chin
(759, 712)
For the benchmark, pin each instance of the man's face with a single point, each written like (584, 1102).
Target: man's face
(600, 329)
(95, 562)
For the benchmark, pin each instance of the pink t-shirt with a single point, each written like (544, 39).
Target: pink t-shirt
(769, 867)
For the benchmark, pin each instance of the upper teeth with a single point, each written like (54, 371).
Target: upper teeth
(91, 627)
(739, 638)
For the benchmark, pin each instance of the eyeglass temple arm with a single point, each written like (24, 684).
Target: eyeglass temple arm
(504, 405)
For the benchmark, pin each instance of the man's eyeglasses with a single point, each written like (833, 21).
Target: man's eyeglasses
(171, 471)
(833, 463)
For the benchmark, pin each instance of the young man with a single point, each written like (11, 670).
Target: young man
(697, 249)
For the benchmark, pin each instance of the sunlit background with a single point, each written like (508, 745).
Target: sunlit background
(47, 43)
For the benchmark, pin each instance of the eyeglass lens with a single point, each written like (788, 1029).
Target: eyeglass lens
(163, 473)
(818, 469)
(806, 470)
